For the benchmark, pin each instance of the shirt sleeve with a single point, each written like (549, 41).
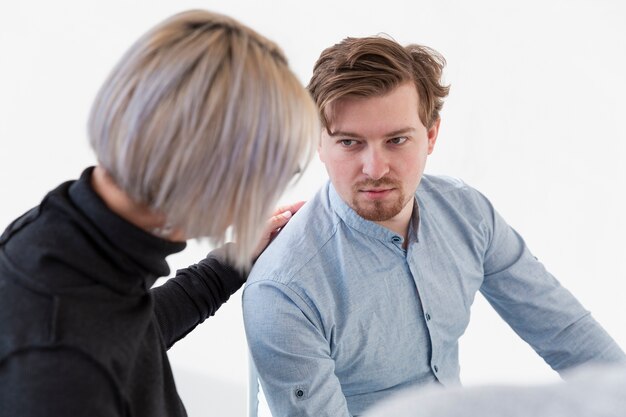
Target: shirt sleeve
(536, 306)
(291, 353)
(56, 382)
(195, 294)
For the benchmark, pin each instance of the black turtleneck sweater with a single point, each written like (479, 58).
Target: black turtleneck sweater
(81, 333)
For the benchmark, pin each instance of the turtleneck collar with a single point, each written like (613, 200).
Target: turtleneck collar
(134, 254)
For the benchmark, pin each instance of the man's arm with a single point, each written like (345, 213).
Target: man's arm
(291, 353)
(58, 382)
(536, 306)
(195, 294)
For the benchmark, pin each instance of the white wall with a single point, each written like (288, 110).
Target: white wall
(535, 120)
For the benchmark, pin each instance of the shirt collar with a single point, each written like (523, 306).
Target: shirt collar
(369, 228)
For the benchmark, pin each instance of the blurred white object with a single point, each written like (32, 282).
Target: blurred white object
(589, 392)
(257, 404)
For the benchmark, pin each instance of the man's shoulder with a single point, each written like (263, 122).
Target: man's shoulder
(453, 195)
(299, 243)
(442, 184)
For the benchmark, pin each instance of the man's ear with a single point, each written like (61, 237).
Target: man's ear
(433, 132)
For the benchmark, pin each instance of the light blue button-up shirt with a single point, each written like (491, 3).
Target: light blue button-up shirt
(338, 315)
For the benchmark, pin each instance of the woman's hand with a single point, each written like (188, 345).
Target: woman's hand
(279, 219)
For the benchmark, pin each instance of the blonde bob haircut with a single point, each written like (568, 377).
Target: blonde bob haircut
(203, 121)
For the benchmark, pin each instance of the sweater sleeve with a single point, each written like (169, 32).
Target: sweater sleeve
(56, 382)
(195, 294)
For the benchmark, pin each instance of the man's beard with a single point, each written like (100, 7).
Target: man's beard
(378, 210)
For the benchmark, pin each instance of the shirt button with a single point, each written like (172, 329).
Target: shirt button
(299, 393)
(427, 317)
(396, 239)
(436, 368)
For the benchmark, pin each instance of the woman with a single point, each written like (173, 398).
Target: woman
(197, 130)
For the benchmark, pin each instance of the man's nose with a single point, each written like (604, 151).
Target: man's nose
(375, 164)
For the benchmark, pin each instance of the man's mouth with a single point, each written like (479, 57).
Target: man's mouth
(376, 193)
(375, 190)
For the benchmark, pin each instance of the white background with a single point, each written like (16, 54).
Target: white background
(535, 120)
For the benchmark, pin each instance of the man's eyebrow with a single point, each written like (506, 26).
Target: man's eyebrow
(400, 132)
(344, 133)
(394, 133)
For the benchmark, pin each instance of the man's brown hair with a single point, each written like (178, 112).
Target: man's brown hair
(373, 66)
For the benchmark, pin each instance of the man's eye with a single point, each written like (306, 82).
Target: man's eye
(398, 141)
(347, 142)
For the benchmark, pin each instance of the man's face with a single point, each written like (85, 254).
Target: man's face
(376, 152)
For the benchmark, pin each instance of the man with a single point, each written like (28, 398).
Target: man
(369, 287)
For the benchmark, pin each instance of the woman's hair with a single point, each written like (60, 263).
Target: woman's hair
(373, 66)
(203, 121)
